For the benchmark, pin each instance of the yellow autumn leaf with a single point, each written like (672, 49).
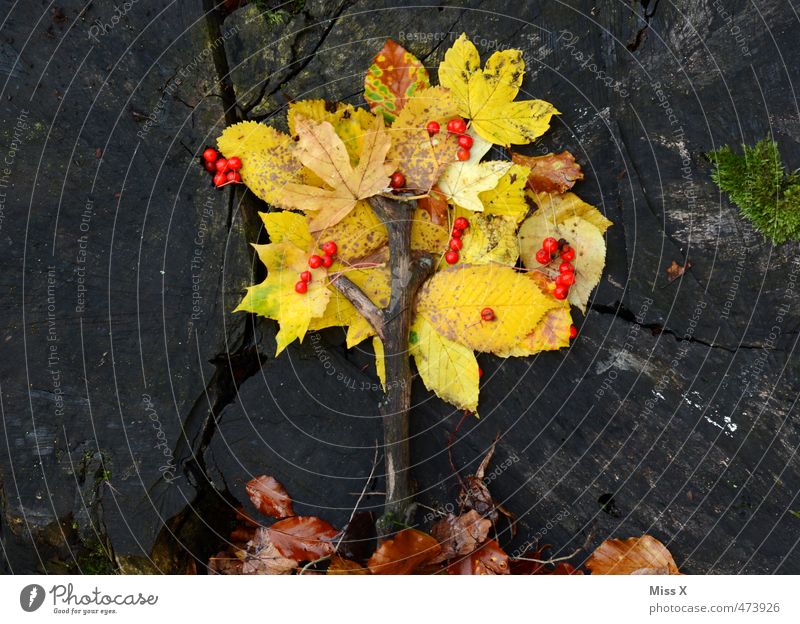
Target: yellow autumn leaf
(550, 334)
(276, 298)
(380, 360)
(428, 236)
(581, 234)
(269, 158)
(419, 156)
(452, 300)
(508, 198)
(447, 368)
(287, 226)
(350, 123)
(358, 235)
(568, 205)
(486, 97)
(461, 183)
(321, 150)
(489, 238)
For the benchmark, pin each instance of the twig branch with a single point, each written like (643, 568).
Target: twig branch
(554, 560)
(361, 302)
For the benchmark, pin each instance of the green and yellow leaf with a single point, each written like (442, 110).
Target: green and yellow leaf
(447, 368)
(394, 77)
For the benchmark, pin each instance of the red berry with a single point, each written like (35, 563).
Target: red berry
(487, 314)
(561, 292)
(543, 257)
(314, 261)
(461, 223)
(566, 279)
(566, 267)
(231, 176)
(220, 179)
(305, 276)
(222, 165)
(236, 177)
(462, 154)
(456, 233)
(451, 257)
(210, 166)
(433, 128)
(210, 154)
(330, 248)
(397, 180)
(451, 127)
(301, 287)
(327, 260)
(465, 141)
(573, 332)
(480, 372)
(235, 163)
(550, 245)
(459, 126)
(456, 244)
(568, 254)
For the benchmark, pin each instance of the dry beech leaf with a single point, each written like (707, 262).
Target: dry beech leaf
(340, 565)
(675, 270)
(269, 497)
(553, 173)
(262, 557)
(225, 563)
(436, 206)
(404, 553)
(488, 559)
(460, 535)
(635, 555)
(304, 538)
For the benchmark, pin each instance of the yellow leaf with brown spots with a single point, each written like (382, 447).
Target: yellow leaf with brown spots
(420, 157)
(350, 123)
(452, 301)
(358, 235)
(427, 235)
(508, 198)
(269, 158)
(489, 238)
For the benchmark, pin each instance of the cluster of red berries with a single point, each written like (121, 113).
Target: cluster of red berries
(566, 272)
(455, 126)
(224, 170)
(315, 262)
(455, 244)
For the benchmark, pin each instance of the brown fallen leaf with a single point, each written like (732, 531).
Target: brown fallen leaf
(436, 206)
(460, 535)
(304, 538)
(474, 493)
(675, 270)
(269, 497)
(339, 565)
(262, 557)
(488, 559)
(226, 563)
(553, 173)
(404, 553)
(358, 537)
(635, 555)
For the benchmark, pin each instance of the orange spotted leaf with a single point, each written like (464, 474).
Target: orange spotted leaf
(394, 76)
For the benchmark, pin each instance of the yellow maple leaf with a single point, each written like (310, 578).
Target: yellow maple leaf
(421, 157)
(321, 150)
(269, 158)
(487, 96)
(508, 198)
(446, 367)
(349, 122)
(276, 298)
(287, 226)
(452, 300)
(582, 235)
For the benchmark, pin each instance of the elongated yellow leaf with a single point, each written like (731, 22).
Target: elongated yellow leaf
(447, 368)
(380, 361)
(487, 96)
(452, 300)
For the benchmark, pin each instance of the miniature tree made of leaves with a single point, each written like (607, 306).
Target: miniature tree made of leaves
(391, 277)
